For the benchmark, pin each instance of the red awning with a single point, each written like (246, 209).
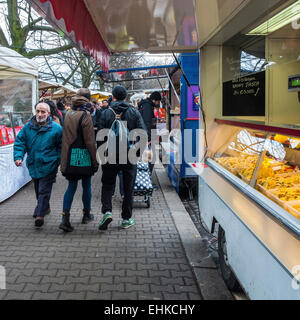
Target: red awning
(73, 18)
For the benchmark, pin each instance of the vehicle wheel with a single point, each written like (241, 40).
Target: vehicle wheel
(227, 274)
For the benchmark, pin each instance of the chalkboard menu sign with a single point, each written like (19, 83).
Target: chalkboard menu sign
(245, 96)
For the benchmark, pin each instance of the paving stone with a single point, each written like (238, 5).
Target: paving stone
(72, 296)
(82, 280)
(62, 287)
(102, 279)
(141, 273)
(45, 296)
(68, 273)
(50, 273)
(24, 279)
(181, 296)
(124, 296)
(99, 296)
(12, 295)
(37, 287)
(195, 296)
(165, 288)
(112, 287)
(87, 287)
(57, 280)
(107, 273)
(191, 289)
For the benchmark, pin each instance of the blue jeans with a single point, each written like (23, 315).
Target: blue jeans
(86, 194)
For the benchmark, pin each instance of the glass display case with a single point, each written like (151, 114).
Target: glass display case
(265, 160)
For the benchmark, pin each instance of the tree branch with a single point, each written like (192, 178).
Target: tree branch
(47, 52)
(43, 28)
(3, 40)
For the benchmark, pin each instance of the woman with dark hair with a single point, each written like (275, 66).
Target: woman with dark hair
(61, 108)
(56, 117)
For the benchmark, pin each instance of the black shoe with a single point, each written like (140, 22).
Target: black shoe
(154, 186)
(39, 222)
(65, 224)
(87, 216)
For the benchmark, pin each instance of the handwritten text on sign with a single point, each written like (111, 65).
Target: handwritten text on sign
(245, 96)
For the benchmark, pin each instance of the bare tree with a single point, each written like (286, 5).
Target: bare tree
(24, 27)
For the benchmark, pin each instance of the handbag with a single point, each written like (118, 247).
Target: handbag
(79, 161)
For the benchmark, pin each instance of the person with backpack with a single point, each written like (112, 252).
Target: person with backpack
(78, 157)
(113, 119)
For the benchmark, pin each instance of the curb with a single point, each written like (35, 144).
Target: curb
(210, 282)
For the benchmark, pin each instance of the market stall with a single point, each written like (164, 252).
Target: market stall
(18, 94)
(100, 95)
(249, 182)
(53, 90)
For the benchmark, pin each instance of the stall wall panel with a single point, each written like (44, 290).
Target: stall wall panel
(284, 106)
(211, 82)
(211, 15)
(12, 178)
(254, 265)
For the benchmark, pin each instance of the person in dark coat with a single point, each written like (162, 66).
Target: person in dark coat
(134, 120)
(80, 105)
(146, 108)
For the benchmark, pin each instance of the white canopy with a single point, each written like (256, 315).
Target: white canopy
(12, 64)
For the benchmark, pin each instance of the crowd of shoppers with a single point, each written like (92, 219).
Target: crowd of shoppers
(56, 137)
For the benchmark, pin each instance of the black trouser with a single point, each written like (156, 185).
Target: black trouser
(43, 188)
(109, 174)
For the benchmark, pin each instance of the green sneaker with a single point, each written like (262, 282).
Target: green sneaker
(105, 221)
(127, 223)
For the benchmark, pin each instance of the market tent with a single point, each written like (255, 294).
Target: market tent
(18, 94)
(54, 90)
(104, 27)
(13, 64)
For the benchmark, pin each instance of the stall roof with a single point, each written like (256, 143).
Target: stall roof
(103, 27)
(44, 85)
(13, 62)
(101, 93)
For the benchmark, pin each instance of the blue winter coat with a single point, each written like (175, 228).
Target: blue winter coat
(43, 147)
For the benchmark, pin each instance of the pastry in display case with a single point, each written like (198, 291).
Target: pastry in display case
(268, 162)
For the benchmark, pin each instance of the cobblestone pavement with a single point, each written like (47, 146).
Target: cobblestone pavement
(144, 262)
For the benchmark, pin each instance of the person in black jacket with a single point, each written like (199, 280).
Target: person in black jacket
(134, 120)
(146, 108)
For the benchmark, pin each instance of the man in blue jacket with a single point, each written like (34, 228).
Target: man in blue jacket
(41, 139)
